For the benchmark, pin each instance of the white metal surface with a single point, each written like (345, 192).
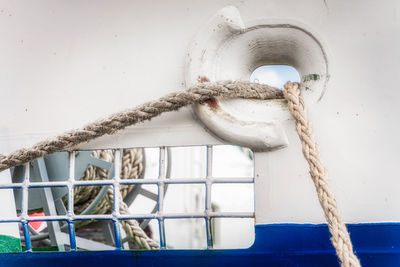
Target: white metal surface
(65, 64)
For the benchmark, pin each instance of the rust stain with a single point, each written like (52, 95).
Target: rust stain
(203, 79)
(212, 103)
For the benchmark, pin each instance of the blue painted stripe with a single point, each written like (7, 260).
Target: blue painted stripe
(376, 244)
(307, 238)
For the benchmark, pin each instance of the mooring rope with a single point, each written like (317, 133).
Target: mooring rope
(340, 236)
(147, 111)
(198, 93)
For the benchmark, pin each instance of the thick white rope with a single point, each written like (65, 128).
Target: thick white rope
(195, 94)
(340, 236)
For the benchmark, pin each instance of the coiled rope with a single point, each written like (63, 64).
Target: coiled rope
(198, 93)
(131, 168)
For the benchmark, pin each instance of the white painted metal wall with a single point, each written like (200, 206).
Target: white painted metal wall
(64, 64)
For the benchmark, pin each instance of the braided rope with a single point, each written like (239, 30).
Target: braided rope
(147, 111)
(198, 93)
(132, 227)
(340, 236)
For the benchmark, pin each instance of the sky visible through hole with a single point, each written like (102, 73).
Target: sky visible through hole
(275, 75)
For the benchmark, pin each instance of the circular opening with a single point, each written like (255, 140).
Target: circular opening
(277, 46)
(275, 75)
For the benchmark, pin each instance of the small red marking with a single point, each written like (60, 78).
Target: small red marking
(203, 79)
(212, 102)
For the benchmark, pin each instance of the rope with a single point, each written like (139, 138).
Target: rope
(132, 227)
(131, 168)
(340, 236)
(198, 93)
(147, 111)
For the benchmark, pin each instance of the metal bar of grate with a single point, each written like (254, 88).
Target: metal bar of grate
(208, 209)
(71, 233)
(24, 210)
(161, 183)
(70, 211)
(27, 236)
(136, 216)
(213, 180)
(116, 186)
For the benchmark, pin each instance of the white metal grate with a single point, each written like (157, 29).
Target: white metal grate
(70, 218)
